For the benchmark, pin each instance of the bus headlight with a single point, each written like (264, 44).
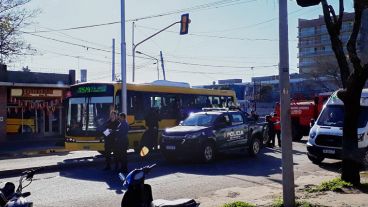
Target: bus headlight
(70, 140)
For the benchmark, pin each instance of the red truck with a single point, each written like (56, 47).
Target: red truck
(302, 111)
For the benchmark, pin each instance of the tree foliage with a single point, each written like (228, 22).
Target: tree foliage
(13, 18)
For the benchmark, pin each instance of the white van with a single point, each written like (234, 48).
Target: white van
(325, 137)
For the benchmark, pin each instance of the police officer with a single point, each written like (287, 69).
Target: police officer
(109, 132)
(150, 136)
(121, 144)
(271, 131)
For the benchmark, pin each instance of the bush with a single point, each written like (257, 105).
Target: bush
(279, 203)
(239, 204)
(335, 185)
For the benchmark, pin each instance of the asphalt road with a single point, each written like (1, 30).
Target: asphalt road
(90, 186)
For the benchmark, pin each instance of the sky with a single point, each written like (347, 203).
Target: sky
(228, 39)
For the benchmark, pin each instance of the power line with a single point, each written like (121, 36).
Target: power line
(220, 66)
(217, 4)
(176, 62)
(215, 36)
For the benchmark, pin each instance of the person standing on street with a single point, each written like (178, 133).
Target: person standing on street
(150, 136)
(271, 131)
(276, 122)
(121, 145)
(109, 134)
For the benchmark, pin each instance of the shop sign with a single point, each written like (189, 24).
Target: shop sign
(36, 92)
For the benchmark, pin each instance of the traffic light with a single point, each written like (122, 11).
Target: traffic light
(184, 24)
(306, 3)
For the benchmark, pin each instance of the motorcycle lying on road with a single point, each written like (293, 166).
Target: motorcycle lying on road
(139, 194)
(9, 197)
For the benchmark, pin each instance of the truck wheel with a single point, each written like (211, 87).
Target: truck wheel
(254, 147)
(295, 132)
(315, 160)
(266, 138)
(207, 154)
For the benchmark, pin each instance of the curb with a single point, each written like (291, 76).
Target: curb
(77, 162)
(22, 153)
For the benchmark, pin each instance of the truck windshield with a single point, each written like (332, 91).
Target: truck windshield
(199, 120)
(333, 115)
(87, 114)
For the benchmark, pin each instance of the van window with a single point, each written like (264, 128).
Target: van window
(333, 115)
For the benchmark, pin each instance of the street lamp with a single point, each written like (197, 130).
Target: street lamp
(158, 70)
(184, 21)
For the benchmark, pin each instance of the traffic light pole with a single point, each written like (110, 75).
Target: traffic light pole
(136, 45)
(287, 154)
(123, 60)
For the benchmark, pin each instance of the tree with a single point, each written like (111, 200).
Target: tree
(326, 74)
(353, 81)
(13, 18)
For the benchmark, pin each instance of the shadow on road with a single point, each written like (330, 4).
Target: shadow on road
(264, 165)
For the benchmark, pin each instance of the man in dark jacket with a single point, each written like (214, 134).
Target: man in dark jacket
(271, 131)
(150, 136)
(109, 134)
(121, 144)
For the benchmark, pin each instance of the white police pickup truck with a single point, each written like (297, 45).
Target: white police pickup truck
(325, 137)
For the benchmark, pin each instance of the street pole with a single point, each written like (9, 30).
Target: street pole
(287, 155)
(158, 70)
(113, 60)
(163, 65)
(133, 51)
(123, 60)
(136, 45)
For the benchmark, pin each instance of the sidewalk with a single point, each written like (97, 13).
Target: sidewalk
(20, 147)
(266, 194)
(58, 161)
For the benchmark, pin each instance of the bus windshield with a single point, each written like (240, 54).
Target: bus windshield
(87, 114)
(333, 115)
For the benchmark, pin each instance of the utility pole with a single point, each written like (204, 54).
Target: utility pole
(163, 65)
(113, 60)
(133, 51)
(287, 155)
(123, 60)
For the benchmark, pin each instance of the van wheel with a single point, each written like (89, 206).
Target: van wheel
(316, 160)
(295, 132)
(207, 154)
(254, 147)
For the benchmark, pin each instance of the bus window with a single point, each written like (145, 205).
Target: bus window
(216, 101)
(170, 106)
(202, 101)
(156, 102)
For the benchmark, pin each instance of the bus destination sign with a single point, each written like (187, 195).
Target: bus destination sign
(92, 89)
